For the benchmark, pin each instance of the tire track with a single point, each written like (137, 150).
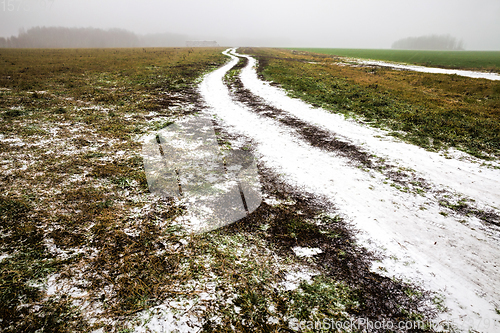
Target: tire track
(315, 136)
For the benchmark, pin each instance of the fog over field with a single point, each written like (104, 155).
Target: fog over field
(314, 23)
(249, 166)
(311, 23)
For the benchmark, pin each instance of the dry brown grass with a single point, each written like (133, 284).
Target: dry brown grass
(73, 180)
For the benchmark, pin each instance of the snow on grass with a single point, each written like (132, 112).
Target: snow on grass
(356, 62)
(306, 251)
(440, 253)
(294, 278)
(163, 318)
(4, 256)
(432, 70)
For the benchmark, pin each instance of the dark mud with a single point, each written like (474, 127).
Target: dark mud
(464, 208)
(171, 101)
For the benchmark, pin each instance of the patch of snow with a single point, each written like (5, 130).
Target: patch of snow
(4, 256)
(56, 251)
(79, 128)
(9, 139)
(306, 251)
(53, 287)
(53, 130)
(295, 278)
(271, 201)
(14, 142)
(77, 177)
(432, 70)
(180, 315)
(131, 232)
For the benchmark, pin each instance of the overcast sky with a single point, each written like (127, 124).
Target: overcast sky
(308, 23)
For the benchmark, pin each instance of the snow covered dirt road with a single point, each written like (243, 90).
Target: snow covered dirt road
(453, 253)
(423, 69)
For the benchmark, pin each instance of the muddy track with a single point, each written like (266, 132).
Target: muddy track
(418, 239)
(458, 173)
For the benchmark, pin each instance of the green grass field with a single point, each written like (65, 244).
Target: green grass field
(477, 60)
(429, 110)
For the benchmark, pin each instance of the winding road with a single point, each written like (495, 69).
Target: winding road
(453, 253)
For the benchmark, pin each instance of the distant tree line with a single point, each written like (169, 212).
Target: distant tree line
(431, 42)
(61, 37)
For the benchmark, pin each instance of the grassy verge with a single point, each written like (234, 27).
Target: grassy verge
(473, 60)
(432, 111)
(72, 181)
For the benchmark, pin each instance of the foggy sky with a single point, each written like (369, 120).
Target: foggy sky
(306, 23)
